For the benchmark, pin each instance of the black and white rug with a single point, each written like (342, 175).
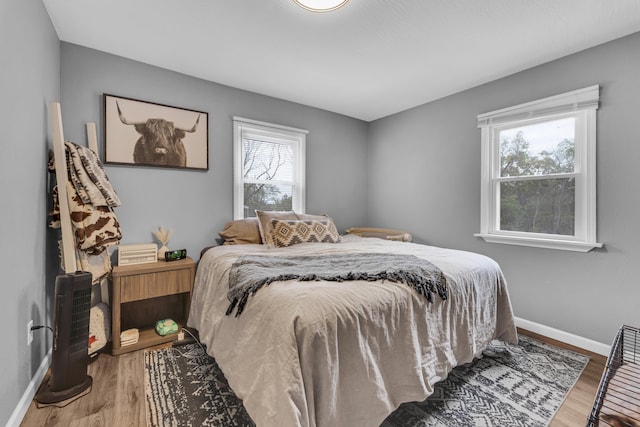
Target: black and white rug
(521, 385)
(185, 387)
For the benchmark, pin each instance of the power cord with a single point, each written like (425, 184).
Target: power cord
(63, 403)
(35, 328)
(197, 341)
(194, 337)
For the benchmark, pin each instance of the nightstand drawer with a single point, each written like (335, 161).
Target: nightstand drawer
(151, 285)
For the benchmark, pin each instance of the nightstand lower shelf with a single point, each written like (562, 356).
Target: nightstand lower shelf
(146, 293)
(148, 338)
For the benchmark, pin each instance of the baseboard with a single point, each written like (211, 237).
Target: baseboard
(566, 337)
(29, 393)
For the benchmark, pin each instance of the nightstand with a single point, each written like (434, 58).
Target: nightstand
(142, 294)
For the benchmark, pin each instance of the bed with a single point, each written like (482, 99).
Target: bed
(324, 353)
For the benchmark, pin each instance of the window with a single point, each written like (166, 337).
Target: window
(269, 167)
(539, 172)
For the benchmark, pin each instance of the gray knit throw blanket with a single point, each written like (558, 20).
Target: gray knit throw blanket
(251, 272)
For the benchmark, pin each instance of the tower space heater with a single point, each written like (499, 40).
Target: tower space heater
(70, 354)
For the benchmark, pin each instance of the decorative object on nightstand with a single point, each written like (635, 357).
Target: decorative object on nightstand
(137, 254)
(129, 337)
(166, 327)
(163, 237)
(175, 255)
(144, 293)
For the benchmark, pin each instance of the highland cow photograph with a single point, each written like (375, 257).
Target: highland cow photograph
(149, 134)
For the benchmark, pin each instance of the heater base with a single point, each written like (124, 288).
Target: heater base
(48, 396)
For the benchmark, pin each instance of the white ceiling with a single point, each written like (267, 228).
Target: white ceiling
(367, 60)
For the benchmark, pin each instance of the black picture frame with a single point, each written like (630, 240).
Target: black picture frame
(142, 133)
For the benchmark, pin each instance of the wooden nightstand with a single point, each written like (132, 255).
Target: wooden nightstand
(145, 293)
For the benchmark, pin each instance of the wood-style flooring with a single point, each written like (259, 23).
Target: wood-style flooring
(117, 396)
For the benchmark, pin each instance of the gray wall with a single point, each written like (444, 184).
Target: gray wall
(29, 79)
(197, 204)
(424, 172)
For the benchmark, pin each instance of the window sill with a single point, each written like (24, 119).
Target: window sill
(565, 245)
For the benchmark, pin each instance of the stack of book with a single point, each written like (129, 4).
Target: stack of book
(129, 337)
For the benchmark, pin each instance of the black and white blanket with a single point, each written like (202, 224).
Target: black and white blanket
(251, 272)
(88, 177)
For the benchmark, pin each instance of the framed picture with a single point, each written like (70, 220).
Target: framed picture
(148, 134)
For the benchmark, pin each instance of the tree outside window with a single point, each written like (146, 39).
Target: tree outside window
(268, 176)
(539, 197)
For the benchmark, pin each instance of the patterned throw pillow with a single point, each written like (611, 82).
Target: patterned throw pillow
(291, 232)
(264, 223)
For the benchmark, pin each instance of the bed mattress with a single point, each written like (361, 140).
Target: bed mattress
(346, 353)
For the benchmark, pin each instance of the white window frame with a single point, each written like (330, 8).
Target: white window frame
(296, 138)
(580, 104)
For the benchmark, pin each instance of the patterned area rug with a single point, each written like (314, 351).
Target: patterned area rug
(185, 387)
(521, 385)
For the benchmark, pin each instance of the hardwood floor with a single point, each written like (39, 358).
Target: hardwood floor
(116, 398)
(117, 395)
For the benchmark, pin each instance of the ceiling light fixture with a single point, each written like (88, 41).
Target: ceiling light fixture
(321, 5)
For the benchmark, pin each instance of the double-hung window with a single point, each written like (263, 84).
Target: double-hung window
(539, 172)
(269, 167)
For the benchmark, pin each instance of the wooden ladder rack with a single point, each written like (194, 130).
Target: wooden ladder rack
(68, 241)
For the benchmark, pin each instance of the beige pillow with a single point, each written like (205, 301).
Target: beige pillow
(241, 232)
(264, 222)
(291, 232)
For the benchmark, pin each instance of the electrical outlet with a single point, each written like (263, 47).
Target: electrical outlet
(29, 332)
